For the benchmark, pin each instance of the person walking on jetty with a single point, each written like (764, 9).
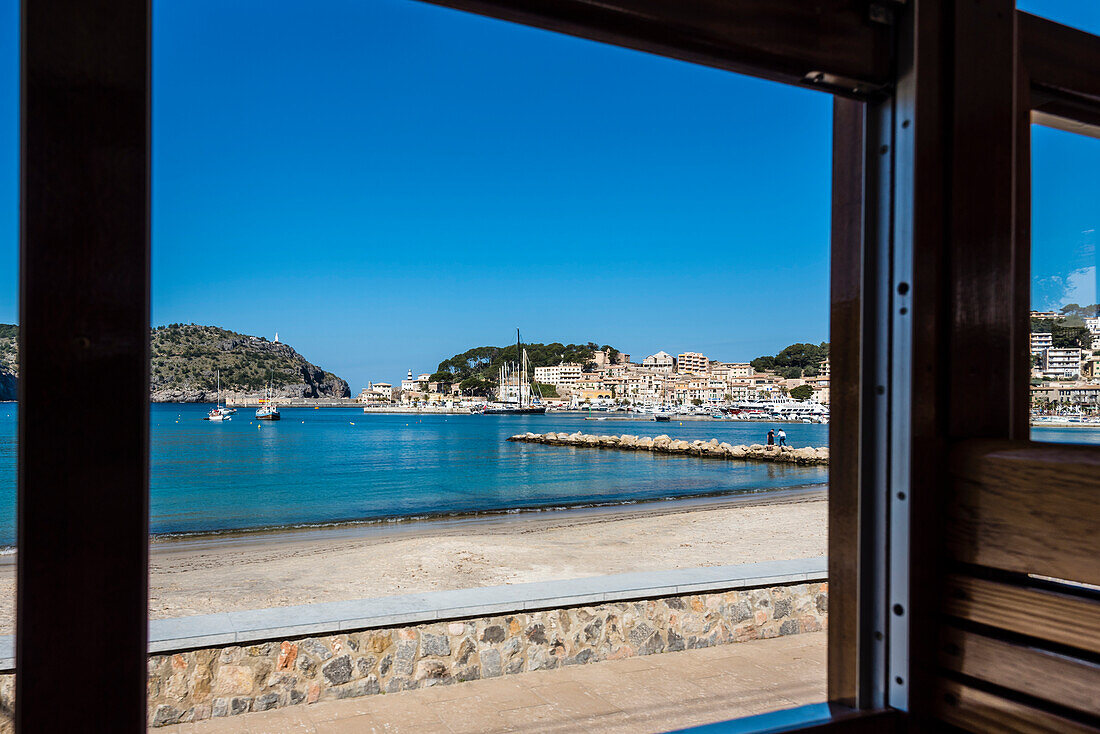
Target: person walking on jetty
(782, 437)
(771, 437)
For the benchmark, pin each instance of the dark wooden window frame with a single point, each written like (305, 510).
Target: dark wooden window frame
(919, 89)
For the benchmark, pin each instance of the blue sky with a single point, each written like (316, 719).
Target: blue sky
(388, 183)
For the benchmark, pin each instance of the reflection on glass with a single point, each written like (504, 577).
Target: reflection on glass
(1065, 316)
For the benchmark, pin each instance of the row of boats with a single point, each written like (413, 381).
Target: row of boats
(782, 409)
(267, 411)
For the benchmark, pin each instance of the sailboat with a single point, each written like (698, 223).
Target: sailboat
(267, 410)
(518, 375)
(219, 412)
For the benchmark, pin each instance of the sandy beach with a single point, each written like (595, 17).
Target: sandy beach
(205, 575)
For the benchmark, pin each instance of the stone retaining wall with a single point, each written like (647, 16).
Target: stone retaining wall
(226, 681)
(665, 445)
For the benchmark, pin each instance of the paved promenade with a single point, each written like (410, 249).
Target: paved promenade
(654, 693)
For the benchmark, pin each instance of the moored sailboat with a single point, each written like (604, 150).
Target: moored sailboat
(219, 412)
(267, 411)
(516, 376)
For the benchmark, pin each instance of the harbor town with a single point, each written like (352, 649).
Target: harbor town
(686, 385)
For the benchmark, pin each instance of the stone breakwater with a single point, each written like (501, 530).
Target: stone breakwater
(666, 445)
(225, 681)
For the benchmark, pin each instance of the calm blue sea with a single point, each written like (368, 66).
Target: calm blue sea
(336, 465)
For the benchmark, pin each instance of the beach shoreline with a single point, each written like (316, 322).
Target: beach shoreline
(204, 575)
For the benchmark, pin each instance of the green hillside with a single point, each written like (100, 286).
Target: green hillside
(475, 370)
(186, 359)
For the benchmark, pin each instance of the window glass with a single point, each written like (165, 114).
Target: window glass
(9, 312)
(9, 300)
(1076, 13)
(354, 208)
(1065, 317)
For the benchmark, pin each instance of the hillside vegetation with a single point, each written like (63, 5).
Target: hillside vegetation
(797, 360)
(186, 359)
(1068, 331)
(475, 370)
(9, 360)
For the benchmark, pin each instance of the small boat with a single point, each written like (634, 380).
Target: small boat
(267, 410)
(219, 412)
(513, 410)
(267, 413)
(662, 417)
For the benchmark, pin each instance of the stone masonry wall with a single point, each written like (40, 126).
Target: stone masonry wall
(226, 681)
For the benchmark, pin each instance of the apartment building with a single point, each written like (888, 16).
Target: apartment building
(1062, 363)
(661, 361)
(375, 391)
(731, 370)
(1093, 324)
(1041, 341)
(692, 363)
(559, 375)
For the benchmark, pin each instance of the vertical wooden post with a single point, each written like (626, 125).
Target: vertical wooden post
(845, 386)
(988, 376)
(84, 334)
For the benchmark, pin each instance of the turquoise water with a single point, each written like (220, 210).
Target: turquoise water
(314, 467)
(1076, 434)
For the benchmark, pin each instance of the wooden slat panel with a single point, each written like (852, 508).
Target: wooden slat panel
(975, 710)
(1060, 59)
(1066, 681)
(1027, 507)
(783, 40)
(1046, 615)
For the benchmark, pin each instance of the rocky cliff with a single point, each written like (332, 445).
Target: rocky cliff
(186, 360)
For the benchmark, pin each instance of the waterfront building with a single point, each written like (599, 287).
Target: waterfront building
(417, 384)
(692, 363)
(1067, 393)
(1063, 363)
(376, 392)
(593, 395)
(559, 375)
(1041, 341)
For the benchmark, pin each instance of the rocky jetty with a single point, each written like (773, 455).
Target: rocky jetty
(666, 445)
